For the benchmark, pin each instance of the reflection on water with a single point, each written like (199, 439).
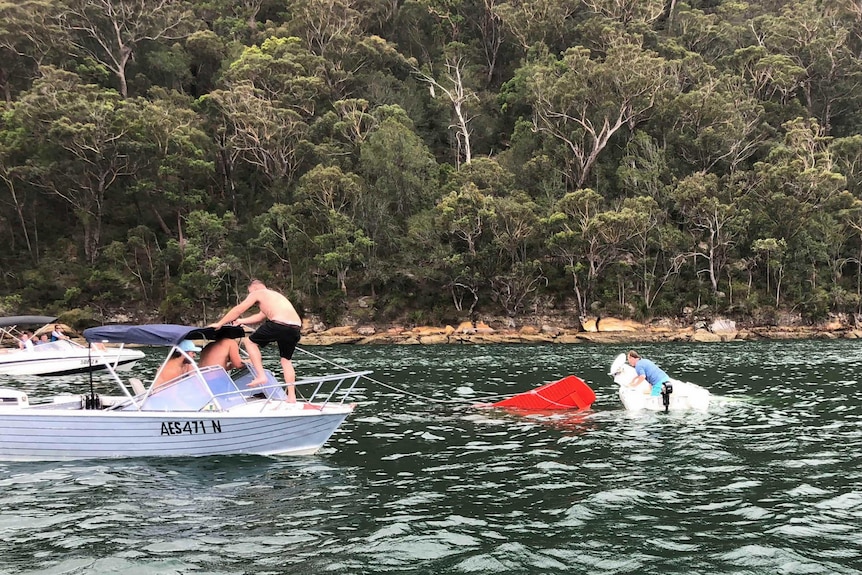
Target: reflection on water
(768, 481)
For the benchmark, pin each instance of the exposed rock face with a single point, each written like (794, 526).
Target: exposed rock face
(603, 330)
(340, 331)
(366, 330)
(466, 327)
(705, 336)
(482, 327)
(607, 324)
(725, 329)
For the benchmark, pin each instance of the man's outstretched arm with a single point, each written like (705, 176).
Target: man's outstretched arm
(236, 311)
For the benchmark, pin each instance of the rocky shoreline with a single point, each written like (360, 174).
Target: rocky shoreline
(606, 330)
(593, 330)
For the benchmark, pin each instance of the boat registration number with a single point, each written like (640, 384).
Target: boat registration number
(190, 427)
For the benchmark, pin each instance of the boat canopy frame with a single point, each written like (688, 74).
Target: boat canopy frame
(9, 324)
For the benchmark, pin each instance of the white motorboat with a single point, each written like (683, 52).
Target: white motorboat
(65, 357)
(682, 394)
(60, 357)
(205, 411)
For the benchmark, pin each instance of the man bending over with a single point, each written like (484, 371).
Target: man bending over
(281, 325)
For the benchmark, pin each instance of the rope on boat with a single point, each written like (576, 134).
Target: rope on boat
(391, 387)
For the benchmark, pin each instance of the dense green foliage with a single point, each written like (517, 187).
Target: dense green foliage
(432, 159)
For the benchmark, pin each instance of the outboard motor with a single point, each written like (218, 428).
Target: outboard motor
(666, 390)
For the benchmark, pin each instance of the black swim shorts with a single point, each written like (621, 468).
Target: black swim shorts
(285, 334)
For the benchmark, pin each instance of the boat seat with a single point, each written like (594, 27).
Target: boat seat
(137, 386)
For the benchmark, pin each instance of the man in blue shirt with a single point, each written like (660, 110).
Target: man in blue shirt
(647, 371)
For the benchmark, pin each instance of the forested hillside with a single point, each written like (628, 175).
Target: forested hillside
(434, 159)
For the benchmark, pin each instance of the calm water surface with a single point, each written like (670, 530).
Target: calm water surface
(770, 481)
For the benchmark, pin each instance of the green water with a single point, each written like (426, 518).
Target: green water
(418, 481)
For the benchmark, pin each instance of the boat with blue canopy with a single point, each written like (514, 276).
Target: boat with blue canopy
(204, 411)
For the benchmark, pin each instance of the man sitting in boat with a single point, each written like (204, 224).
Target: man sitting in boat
(223, 352)
(178, 364)
(58, 333)
(647, 371)
(26, 341)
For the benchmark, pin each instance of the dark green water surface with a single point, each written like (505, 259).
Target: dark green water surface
(768, 482)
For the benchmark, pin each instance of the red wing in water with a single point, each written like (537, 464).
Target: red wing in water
(568, 393)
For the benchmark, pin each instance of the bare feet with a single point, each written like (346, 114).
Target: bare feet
(257, 382)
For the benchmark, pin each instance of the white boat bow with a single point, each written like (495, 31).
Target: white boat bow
(683, 396)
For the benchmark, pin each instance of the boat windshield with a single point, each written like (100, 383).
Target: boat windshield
(53, 346)
(209, 389)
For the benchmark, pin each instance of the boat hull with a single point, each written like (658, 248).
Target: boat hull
(685, 395)
(40, 434)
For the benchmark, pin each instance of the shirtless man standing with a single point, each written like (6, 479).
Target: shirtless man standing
(282, 325)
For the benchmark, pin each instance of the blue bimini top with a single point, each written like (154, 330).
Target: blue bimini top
(162, 334)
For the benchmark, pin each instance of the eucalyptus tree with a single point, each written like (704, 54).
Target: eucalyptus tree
(583, 99)
(331, 29)
(270, 95)
(717, 125)
(817, 40)
(515, 234)
(15, 192)
(142, 256)
(852, 218)
(84, 145)
(171, 180)
(111, 32)
(172, 136)
(797, 178)
(499, 224)
(401, 179)
(490, 33)
(587, 236)
(644, 169)
(847, 154)
(709, 34)
(490, 176)
(798, 184)
(28, 36)
(771, 77)
(454, 82)
(713, 214)
(772, 252)
(463, 216)
(207, 51)
(208, 262)
(539, 22)
(328, 197)
(847, 157)
(628, 11)
(837, 235)
(654, 247)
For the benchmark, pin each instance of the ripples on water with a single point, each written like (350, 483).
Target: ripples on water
(768, 482)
